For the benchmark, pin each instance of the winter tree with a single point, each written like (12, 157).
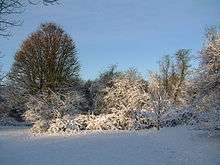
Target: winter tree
(46, 59)
(205, 88)
(173, 74)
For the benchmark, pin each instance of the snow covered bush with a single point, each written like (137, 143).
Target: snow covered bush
(11, 106)
(2, 102)
(95, 89)
(40, 126)
(159, 100)
(120, 120)
(144, 119)
(208, 120)
(58, 125)
(205, 87)
(113, 121)
(118, 97)
(52, 107)
(117, 120)
(177, 116)
(65, 124)
(125, 92)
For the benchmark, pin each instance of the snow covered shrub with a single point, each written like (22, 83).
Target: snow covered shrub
(117, 98)
(205, 87)
(119, 120)
(121, 102)
(14, 102)
(40, 126)
(81, 121)
(65, 124)
(89, 95)
(144, 119)
(11, 107)
(126, 91)
(2, 103)
(52, 108)
(96, 88)
(159, 100)
(54, 105)
(208, 120)
(177, 116)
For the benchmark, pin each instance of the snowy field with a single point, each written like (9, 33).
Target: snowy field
(170, 146)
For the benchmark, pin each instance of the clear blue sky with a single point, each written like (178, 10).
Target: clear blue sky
(130, 33)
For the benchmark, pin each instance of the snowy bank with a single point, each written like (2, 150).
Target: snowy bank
(166, 147)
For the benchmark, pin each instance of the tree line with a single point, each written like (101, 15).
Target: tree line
(46, 68)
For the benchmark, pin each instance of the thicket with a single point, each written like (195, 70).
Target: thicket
(44, 84)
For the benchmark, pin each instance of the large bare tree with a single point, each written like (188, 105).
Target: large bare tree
(46, 59)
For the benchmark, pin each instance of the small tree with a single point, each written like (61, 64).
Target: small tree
(159, 98)
(182, 67)
(173, 74)
(46, 59)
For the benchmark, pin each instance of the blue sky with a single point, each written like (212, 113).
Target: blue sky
(129, 33)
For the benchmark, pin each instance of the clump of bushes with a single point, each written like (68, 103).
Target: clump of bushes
(120, 105)
(45, 109)
(115, 121)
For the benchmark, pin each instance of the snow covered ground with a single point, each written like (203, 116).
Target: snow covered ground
(170, 146)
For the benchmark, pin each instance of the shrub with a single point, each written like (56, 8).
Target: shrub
(40, 126)
(205, 86)
(125, 92)
(118, 120)
(65, 124)
(54, 105)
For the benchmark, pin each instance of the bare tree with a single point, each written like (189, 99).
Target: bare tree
(46, 59)
(182, 66)
(10, 11)
(173, 74)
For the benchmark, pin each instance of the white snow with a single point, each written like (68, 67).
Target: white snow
(170, 146)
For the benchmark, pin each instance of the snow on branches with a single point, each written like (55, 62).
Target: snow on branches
(127, 91)
(206, 83)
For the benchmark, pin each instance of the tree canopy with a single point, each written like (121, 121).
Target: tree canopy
(46, 59)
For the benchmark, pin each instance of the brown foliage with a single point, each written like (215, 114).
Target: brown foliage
(46, 59)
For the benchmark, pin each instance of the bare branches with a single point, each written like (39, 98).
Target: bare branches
(10, 11)
(173, 73)
(45, 2)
